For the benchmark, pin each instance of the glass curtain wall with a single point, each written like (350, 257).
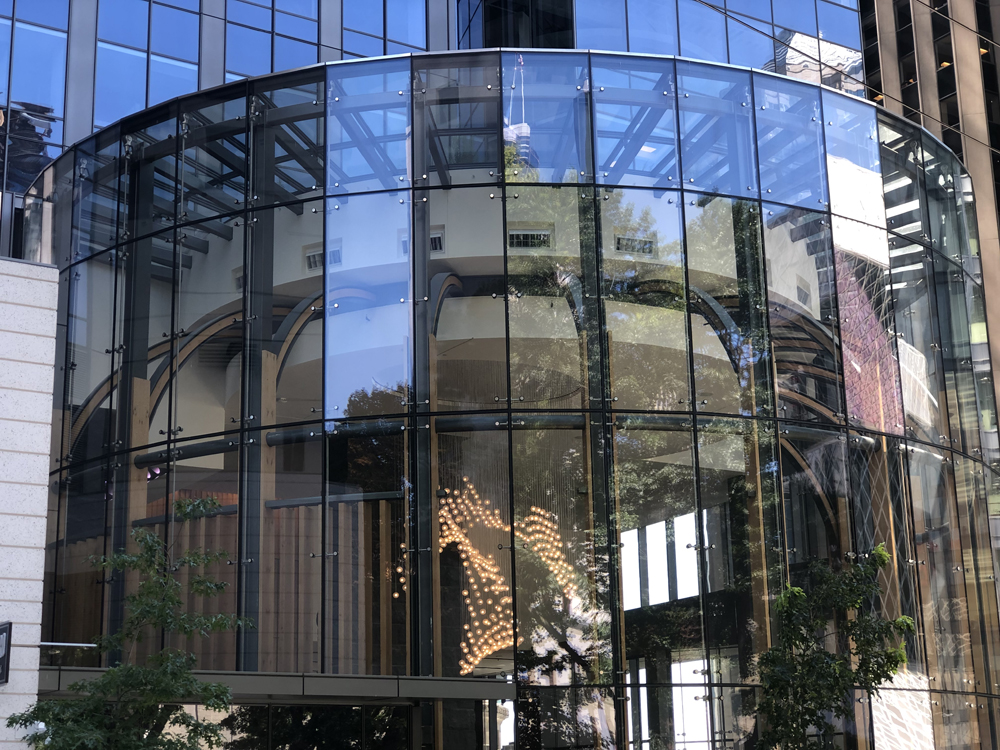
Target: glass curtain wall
(547, 368)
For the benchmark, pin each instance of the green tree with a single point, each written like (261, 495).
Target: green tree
(133, 706)
(831, 641)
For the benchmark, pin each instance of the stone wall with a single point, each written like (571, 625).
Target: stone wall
(28, 297)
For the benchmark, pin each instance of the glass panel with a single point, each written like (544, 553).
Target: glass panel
(729, 337)
(51, 13)
(867, 327)
(702, 31)
(956, 355)
(982, 374)
(362, 44)
(802, 304)
(917, 339)
(902, 173)
(852, 159)
(150, 166)
(38, 77)
(208, 327)
(61, 416)
(644, 297)
(290, 549)
(814, 482)
(26, 157)
(790, 142)
(145, 319)
(369, 315)
(248, 51)
(568, 717)
(843, 68)
(661, 584)
(456, 112)
(799, 15)
(462, 337)
(546, 117)
(671, 715)
(207, 469)
(286, 285)
(717, 140)
(636, 121)
(119, 83)
(839, 25)
(88, 358)
(756, 8)
(123, 21)
(322, 727)
(469, 474)
(214, 150)
(552, 297)
(740, 521)
(365, 17)
(287, 132)
(174, 33)
(291, 53)
(368, 568)
(796, 53)
(943, 178)
(751, 43)
(406, 22)
(600, 24)
(652, 26)
(562, 589)
(170, 78)
(95, 209)
(939, 553)
(368, 125)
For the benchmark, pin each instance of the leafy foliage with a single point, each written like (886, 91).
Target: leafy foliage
(808, 677)
(134, 706)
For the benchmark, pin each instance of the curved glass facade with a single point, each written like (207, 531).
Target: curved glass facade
(543, 368)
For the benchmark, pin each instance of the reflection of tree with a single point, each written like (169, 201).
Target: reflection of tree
(316, 727)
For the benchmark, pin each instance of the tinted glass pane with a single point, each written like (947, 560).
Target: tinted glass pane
(642, 260)
(956, 355)
(839, 25)
(457, 120)
(867, 328)
(945, 202)
(368, 122)
(287, 289)
(296, 27)
(756, 8)
(26, 158)
(798, 15)
(5, 39)
(462, 327)
(326, 727)
(469, 459)
(803, 313)
(739, 513)
(362, 44)
(702, 31)
(209, 326)
(726, 298)
(406, 22)
(51, 13)
(918, 341)
(843, 68)
(852, 159)
(123, 21)
(150, 191)
(750, 43)
(170, 78)
(636, 121)
(796, 53)
(600, 24)
(174, 33)
(367, 568)
(657, 516)
(288, 133)
(291, 53)
(368, 309)
(248, 51)
(251, 14)
(562, 585)
(790, 142)
(982, 372)
(95, 211)
(547, 131)
(717, 136)
(214, 165)
(365, 17)
(902, 168)
(652, 27)
(39, 67)
(119, 84)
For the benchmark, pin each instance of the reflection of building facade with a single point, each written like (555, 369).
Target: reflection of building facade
(524, 380)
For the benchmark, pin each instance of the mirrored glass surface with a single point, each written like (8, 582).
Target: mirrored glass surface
(796, 53)
(552, 314)
(853, 163)
(802, 309)
(369, 313)
(456, 110)
(644, 299)
(945, 202)
(405, 21)
(461, 299)
(790, 142)
(119, 83)
(569, 717)
(751, 43)
(600, 25)
(902, 174)
(702, 31)
(38, 68)
(368, 123)
(546, 105)
(652, 27)
(717, 131)
(874, 398)
(635, 120)
(727, 306)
